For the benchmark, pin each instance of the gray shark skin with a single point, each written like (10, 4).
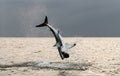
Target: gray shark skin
(61, 46)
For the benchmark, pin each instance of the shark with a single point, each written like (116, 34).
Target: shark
(61, 46)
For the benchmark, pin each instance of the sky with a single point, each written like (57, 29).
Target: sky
(73, 18)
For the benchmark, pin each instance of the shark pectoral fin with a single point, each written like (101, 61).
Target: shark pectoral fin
(57, 44)
(69, 46)
(54, 45)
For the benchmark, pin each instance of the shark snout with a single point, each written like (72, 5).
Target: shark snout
(66, 55)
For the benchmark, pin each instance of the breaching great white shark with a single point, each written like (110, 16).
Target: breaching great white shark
(61, 46)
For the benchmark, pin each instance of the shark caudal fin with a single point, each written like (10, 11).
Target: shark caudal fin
(44, 23)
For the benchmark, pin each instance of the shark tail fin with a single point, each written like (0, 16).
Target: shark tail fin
(44, 23)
